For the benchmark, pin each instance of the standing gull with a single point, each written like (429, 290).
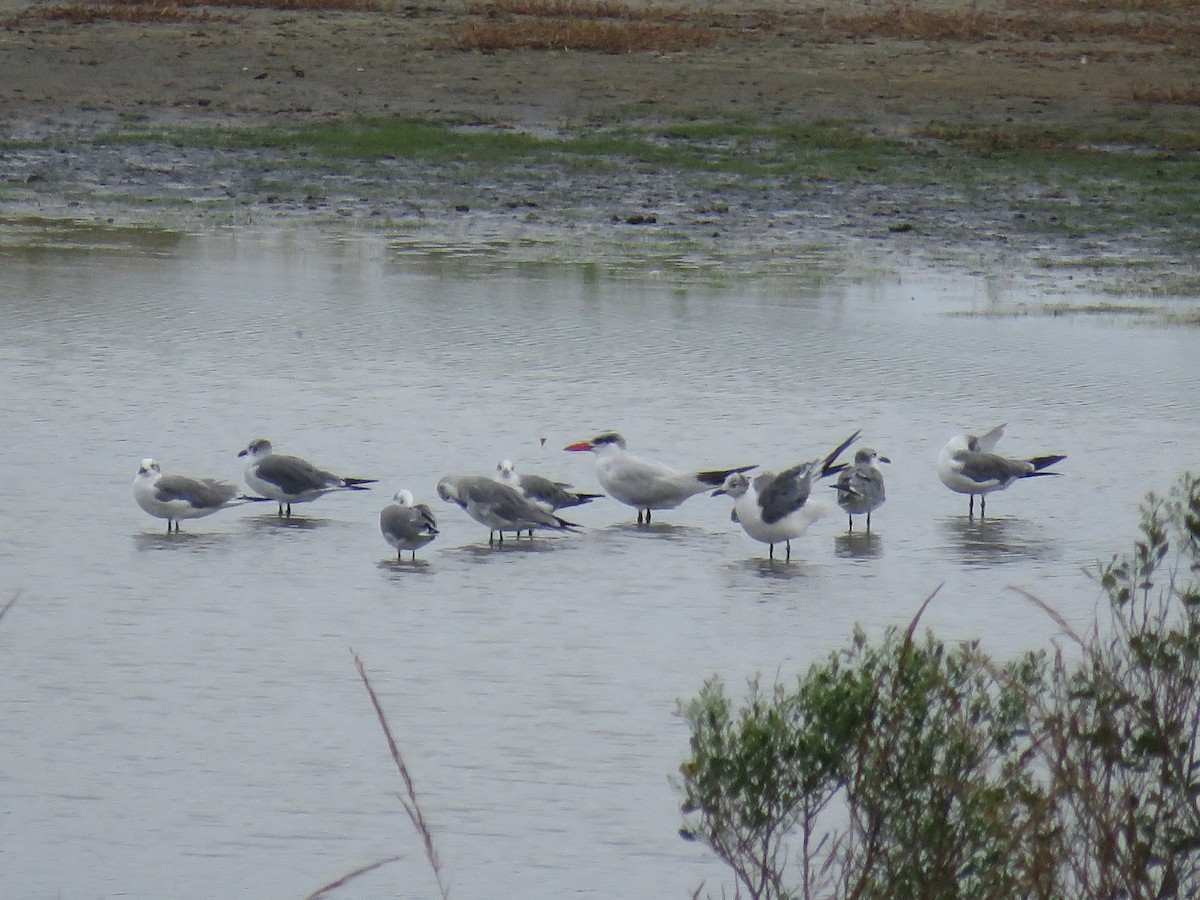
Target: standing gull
(289, 479)
(547, 494)
(499, 506)
(967, 466)
(177, 497)
(643, 484)
(773, 508)
(860, 486)
(407, 525)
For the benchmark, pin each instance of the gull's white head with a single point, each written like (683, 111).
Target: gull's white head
(867, 455)
(404, 497)
(506, 470)
(257, 449)
(149, 468)
(735, 485)
(448, 490)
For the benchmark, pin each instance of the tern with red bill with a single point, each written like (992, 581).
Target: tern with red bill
(773, 508)
(643, 484)
(967, 466)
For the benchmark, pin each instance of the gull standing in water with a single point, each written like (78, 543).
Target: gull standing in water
(501, 507)
(549, 495)
(860, 486)
(177, 497)
(643, 484)
(289, 479)
(407, 525)
(967, 466)
(773, 508)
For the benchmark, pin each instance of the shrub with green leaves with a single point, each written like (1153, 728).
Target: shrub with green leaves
(907, 768)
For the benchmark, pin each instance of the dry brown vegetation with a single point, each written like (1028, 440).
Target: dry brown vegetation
(157, 11)
(1181, 96)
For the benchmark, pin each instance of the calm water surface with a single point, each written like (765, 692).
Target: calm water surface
(181, 715)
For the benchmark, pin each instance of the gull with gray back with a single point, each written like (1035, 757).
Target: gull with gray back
(773, 508)
(966, 465)
(499, 506)
(290, 479)
(860, 486)
(549, 495)
(178, 497)
(407, 525)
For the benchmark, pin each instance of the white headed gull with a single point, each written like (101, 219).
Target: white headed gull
(967, 466)
(642, 484)
(499, 506)
(289, 479)
(549, 495)
(860, 486)
(773, 508)
(177, 497)
(407, 525)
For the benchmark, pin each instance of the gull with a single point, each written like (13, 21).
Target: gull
(177, 497)
(407, 525)
(289, 479)
(500, 507)
(773, 508)
(643, 484)
(547, 494)
(860, 486)
(967, 466)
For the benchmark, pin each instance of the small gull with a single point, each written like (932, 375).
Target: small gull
(773, 508)
(499, 506)
(643, 484)
(177, 497)
(407, 525)
(860, 486)
(289, 479)
(549, 495)
(967, 466)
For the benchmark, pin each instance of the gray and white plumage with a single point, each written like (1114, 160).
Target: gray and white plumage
(966, 465)
(549, 495)
(177, 497)
(499, 506)
(290, 479)
(860, 486)
(778, 507)
(407, 525)
(643, 484)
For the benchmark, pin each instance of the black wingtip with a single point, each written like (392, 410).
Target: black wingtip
(359, 484)
(827, 466)
(1042, 462)
(716, 477)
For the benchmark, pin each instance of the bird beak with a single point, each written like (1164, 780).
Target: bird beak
(580, 445)
(243, 453)
(883, 459)
(718, 492)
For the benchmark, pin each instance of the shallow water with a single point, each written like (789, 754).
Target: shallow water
(182, 716)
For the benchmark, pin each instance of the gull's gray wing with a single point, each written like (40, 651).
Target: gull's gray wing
(293, 475)
(986, 468)
(202, 493)
(783, 494)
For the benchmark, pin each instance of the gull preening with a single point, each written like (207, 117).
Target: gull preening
(643, 484)
(549, 495)
(967, 466)
(177, 497)
(773, 508)
(290, 479)
(407, 525)
(860, 485)
(499, 506)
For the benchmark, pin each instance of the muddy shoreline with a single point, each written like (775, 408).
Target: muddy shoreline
(69, 83)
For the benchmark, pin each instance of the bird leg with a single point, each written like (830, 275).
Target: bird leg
(982, 505)
(851, 528)
(971, 507)
(868, 523)
(771, 552)
(789, 551)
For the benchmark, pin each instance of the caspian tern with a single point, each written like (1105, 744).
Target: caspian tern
(177, 497)
(860, 486)
(967, 466)
(642, 484)
(499, 506)
(289, 479)
(549, 495)
(773, 508)
(407, 525)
